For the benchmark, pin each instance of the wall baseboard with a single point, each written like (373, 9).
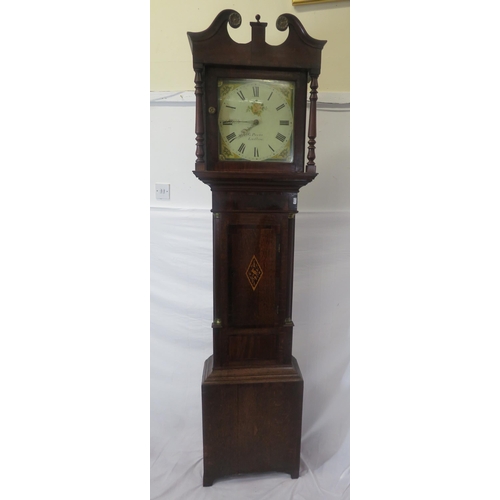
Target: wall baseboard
(327, 100)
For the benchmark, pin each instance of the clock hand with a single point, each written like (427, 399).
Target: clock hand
(246, 130)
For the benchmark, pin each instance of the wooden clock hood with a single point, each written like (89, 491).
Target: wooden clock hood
(206, 45)
(298, 54)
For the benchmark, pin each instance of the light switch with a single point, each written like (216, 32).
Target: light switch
(162, 191)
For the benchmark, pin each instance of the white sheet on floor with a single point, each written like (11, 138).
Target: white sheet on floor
(181, 340)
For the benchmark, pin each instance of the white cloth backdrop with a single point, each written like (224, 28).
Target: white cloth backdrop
(181, 340)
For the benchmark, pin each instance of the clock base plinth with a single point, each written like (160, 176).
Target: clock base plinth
(252, 420)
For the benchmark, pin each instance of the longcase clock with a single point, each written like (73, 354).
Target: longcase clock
(251, 150)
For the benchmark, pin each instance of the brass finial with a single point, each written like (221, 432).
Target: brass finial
(234, 20)
(282, 23)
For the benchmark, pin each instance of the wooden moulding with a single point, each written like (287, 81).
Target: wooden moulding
(282, 373)
(255, 180)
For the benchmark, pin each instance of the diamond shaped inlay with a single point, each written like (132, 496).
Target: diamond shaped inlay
(254, 273)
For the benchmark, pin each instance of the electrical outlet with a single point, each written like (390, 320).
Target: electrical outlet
(162, 191)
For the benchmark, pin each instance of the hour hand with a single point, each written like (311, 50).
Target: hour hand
(246, 130)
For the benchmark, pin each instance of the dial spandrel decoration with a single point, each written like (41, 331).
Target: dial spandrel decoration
(256, 120)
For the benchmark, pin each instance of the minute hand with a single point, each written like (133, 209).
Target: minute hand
(238, 121)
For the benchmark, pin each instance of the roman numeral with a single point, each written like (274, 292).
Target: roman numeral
(242, 147)
(232, 107)
(240, 95)
(280, 137)
(256, 152)
(271, 148)
(231, 137)
(227, 122)
(284, 122)
(270, 95)
(281, 106)
(255, 91)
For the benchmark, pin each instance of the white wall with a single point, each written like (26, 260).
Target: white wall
(173, 154)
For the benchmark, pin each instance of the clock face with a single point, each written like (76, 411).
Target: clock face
(256, 120)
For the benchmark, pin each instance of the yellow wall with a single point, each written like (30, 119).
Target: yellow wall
(171, 61)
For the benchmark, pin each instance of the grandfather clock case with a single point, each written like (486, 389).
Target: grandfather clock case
(251, 107)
